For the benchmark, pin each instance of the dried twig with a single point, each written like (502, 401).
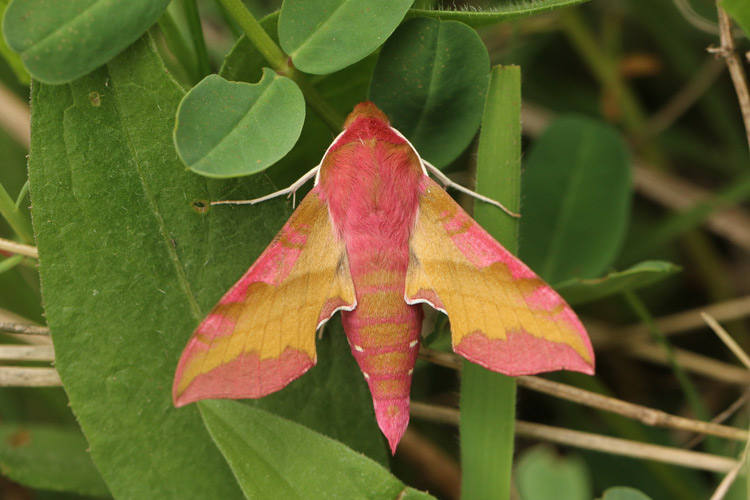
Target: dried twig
(439, 469)
(586, 440)
(27, 353)
(734, 63)
(727, 339)
(16, 376)
(7, 326)
(18, 248)
(648, 416)
(15, 118)
(683, 99)
(691, 319)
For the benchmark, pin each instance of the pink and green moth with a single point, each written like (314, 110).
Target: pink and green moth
(375, 239)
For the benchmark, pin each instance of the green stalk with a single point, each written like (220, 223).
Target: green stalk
(196, 33)
(281, 63)
(179, 47)
(488, 399)
(17, 221)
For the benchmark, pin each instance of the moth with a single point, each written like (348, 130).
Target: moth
(376, 238)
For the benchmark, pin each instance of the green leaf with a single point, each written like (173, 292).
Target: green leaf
(61, 41)
(577, 192)
(327, 35)
(541, 474)
(506, 11)
(13, 59)
(623, 493)
(342, 89)
(270, 458)
(580, 291)
(430, 79)
(740, 12)
(130, 261)
(228, 129)
(49, 458)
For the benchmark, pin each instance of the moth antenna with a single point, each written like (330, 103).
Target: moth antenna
(289, 191)
(445, 180)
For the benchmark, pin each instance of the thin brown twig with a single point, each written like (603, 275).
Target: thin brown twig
(18, 248)
(731, 344)
(15, 118)
(691, 319)
(7, 326)
(728, 51)
(721, 417)
(729, 479)
(27, 353)
(439, 470)
(683, 99)
(17, 376)
(644, 414)
(589, 441)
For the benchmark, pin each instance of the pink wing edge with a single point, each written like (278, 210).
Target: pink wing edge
(247, 376)
(518, 354)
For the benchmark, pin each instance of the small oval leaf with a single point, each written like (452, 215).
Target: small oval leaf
(61, 41)
(576, 194)
(328, 35)
(276, 458)
(430, 79)
(229, 129)
(579, 291)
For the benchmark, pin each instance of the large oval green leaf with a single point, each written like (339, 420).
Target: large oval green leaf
(130, 260)
(228, 129)
(60, 41)
(430, 79)
(576, 196)
(624, 493)
(327, 35)
(270, 458)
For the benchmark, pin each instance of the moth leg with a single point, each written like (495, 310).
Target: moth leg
(289, 191)
(445, 180)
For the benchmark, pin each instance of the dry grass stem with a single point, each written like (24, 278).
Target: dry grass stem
(15, 118)
(691, 319)
(18, 248)
(27, 353)
(670, 191)
(734, 63)
(683, 100)
(727, 339)
(439, 470)
(16, 376)
(641, 413)
(678, 195)
(25, 328)
(589, 441)
(729, 479)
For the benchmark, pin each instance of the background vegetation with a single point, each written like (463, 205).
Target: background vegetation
(629, 141)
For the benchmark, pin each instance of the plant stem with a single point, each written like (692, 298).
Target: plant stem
(488, 399)
(281, 63)
(16, 220)
(179, 47)
(196, 33)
